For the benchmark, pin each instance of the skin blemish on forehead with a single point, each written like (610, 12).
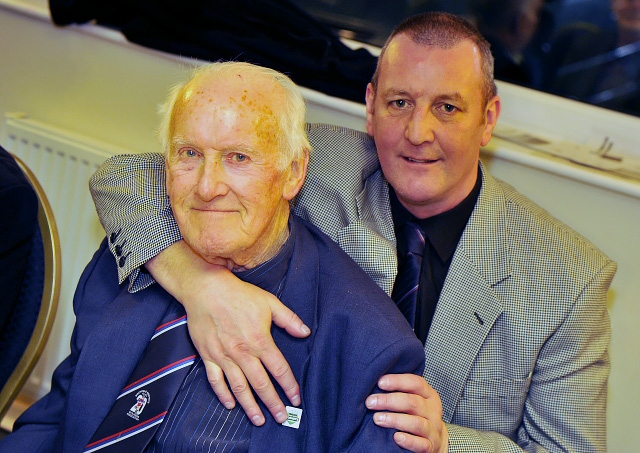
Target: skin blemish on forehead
(265, 124)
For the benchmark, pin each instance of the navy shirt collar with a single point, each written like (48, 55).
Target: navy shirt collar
(270, 275)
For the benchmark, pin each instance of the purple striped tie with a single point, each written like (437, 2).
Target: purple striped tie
(143, 403)
(405, 289)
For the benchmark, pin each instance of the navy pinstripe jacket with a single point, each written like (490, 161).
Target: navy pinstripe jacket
(337, 367)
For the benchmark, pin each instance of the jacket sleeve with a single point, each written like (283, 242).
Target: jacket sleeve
(131, 199)
(403, 356)
(565, 409)
(340, 420)
(373, 339)
(38, 428)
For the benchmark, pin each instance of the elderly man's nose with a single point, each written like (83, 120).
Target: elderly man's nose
(212, 182)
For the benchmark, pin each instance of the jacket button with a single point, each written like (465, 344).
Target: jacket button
(114, 236)
(121, 261)
(118, 250)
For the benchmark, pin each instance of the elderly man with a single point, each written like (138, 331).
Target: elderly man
(509, 301)
(236, 153)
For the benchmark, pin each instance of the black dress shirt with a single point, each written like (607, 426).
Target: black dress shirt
(442, 233)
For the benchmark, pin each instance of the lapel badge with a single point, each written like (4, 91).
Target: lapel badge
(294, 414)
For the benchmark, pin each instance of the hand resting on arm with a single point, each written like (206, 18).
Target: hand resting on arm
(414, 408)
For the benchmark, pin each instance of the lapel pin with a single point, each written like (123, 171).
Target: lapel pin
(294, 414)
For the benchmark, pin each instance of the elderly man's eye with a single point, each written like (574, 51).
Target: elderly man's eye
(186, 153)
(238, 157)
(399, 103)
(449, 108)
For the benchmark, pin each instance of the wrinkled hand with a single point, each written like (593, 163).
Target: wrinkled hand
(231, 331)
(414, 409)
(229, 323)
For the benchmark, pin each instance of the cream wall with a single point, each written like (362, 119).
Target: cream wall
(90, 81)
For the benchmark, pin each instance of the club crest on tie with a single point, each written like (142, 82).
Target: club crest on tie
(142, 398)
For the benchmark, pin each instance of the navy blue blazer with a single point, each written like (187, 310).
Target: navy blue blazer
(357, 336)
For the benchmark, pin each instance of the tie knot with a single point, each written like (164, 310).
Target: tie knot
(412, 240)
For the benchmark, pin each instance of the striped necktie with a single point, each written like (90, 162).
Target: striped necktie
(405, 289)
(143, 403)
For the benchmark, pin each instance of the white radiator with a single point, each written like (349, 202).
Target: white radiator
(62, 161)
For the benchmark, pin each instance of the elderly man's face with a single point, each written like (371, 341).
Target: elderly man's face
(228, 195)
(428, 118)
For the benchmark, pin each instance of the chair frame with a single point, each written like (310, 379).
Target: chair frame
(50, 295)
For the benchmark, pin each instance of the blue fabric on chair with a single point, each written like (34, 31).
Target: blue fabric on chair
(16, 334)
(19, 205)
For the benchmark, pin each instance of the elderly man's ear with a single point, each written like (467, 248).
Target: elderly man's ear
(297, 173)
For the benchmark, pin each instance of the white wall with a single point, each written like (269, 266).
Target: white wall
(91, 81)
(35, 4)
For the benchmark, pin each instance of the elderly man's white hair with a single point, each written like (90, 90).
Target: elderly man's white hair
(291, 137)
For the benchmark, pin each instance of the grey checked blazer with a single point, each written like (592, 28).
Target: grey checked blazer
(518, 347)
